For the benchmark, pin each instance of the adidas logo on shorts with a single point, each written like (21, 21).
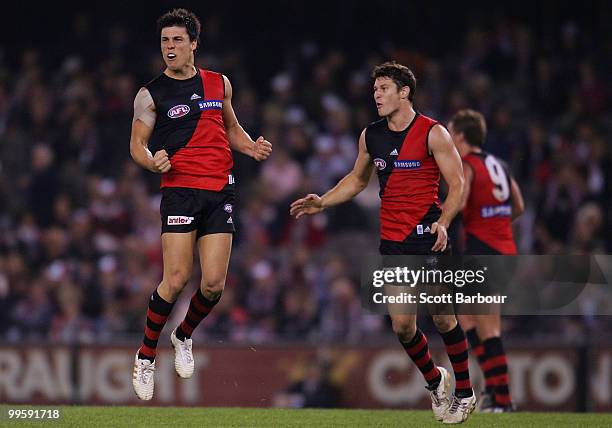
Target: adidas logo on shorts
(230, 221)
(420, 230)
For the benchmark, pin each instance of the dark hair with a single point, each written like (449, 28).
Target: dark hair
(400, 74)
(181, 18)
(472, 124)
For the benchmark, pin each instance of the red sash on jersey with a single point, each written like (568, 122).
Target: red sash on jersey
(410, 191)
(205, 162)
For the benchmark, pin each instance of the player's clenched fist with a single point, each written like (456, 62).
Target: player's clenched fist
(161, 162)
(262, 149)
(311, 204)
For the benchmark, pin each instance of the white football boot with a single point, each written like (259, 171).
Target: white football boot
(183, 356)
(460, 409)
(143, 378)
(440, 396)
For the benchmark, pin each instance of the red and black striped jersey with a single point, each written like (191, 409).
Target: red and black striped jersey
(189, 126)
(409, 178)
(487, 215)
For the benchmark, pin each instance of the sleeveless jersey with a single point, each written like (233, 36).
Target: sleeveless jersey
(409, 178)
(488, 213)
(189, 126)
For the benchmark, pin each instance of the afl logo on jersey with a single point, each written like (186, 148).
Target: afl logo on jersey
(178, 111)
(380, 163)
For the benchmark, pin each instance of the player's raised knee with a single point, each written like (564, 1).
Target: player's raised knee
(444, 323)
(175, 281)
(405, 329)
(212, 289)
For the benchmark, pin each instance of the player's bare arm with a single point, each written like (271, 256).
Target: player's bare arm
(239, 140)
(516, 198)
(346, 189)
(468, 176)
(448, 160)
(142, 127)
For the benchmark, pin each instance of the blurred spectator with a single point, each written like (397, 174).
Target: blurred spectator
(314, 390)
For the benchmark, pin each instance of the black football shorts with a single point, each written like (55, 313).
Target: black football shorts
(474, 245)
(184, 210)
(412, 247)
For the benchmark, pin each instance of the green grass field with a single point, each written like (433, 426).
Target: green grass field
(132, 417)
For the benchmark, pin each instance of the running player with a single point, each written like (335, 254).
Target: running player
(409, 151)
(491, 200)
(184, 128)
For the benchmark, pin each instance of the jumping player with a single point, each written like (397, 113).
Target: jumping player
(491, 200)
(410, 151)
(184, 128)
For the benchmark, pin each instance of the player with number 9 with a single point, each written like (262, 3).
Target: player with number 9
(491, 201)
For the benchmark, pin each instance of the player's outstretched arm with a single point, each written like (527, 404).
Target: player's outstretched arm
(448, 160)
(239, 140)
(142, 127)
(516, 198)
(346, 189)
